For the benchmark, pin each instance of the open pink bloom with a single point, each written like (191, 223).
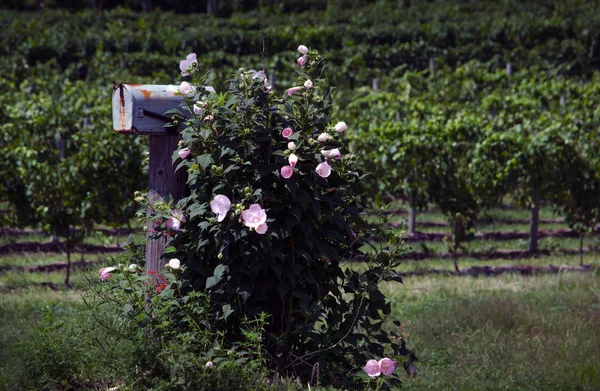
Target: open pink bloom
(303, 49)
(293, 160)
(331, 153)
(340, 127)
(323, 169)
(262, 229)
(254, 216)
(260, 75)
(220, 205)
(287, 171)
(172, 90)
(185, 88)
(301, 61)
(174, 222)
(386, 365)
(186, 64)
(287, 132)
(183, 153)
(372, 368)
(293, 90)
(308, 84)
(105, 272)
(323, 137)
(209, 364)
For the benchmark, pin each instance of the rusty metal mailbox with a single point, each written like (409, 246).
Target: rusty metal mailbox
(140, 108)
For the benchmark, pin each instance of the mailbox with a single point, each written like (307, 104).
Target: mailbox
(140, 108)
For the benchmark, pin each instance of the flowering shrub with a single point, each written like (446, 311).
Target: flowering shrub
(274, 209)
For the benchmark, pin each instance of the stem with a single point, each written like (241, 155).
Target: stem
(379, 384)
(581, 236)
(68, 276)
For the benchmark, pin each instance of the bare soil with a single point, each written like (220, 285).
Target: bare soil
(55, 247)
(493, 271)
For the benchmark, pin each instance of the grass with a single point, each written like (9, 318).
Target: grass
(505, 333)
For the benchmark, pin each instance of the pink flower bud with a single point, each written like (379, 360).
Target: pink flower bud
(293, 90)
(292, 146)
(104, 273)
(287, 171)
(174, 264)
(340, 127)
(331, 153)
(303, 49)
(301, 61)
(197, 109)
(293, 160)
(209, 364)
(287, 132)
(183, 153)
(323, 137)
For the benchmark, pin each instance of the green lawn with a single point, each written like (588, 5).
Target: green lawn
(503, 333)
(491, 333)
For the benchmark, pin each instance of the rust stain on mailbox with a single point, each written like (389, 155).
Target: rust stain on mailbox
(147, 94)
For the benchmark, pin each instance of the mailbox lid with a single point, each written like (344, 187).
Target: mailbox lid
(140, 108)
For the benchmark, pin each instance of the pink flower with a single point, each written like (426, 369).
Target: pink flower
(287, 171)
(220, 205)
(196, 109)
(293, 90)
(308, 84)
(261, 229)
(287, 132)
(105, 272)
(183, 153)
(340, 127)
(185, 65)
(174, 263)
(292, 146)
(303, 49)
(209, 364)
(293, 160)
(331, 153)
(372, 368)
(174, 222)
(172, 90)
(260, 75)
(254, 216)
(323, 169)
(185, 88)
(386, 366)
(301, 61)
(323, 137)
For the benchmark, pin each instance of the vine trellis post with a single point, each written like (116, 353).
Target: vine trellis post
(138, 110)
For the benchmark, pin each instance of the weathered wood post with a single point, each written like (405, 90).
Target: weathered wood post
(138, 109)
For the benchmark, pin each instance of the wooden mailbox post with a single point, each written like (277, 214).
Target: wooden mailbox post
(138, 109)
